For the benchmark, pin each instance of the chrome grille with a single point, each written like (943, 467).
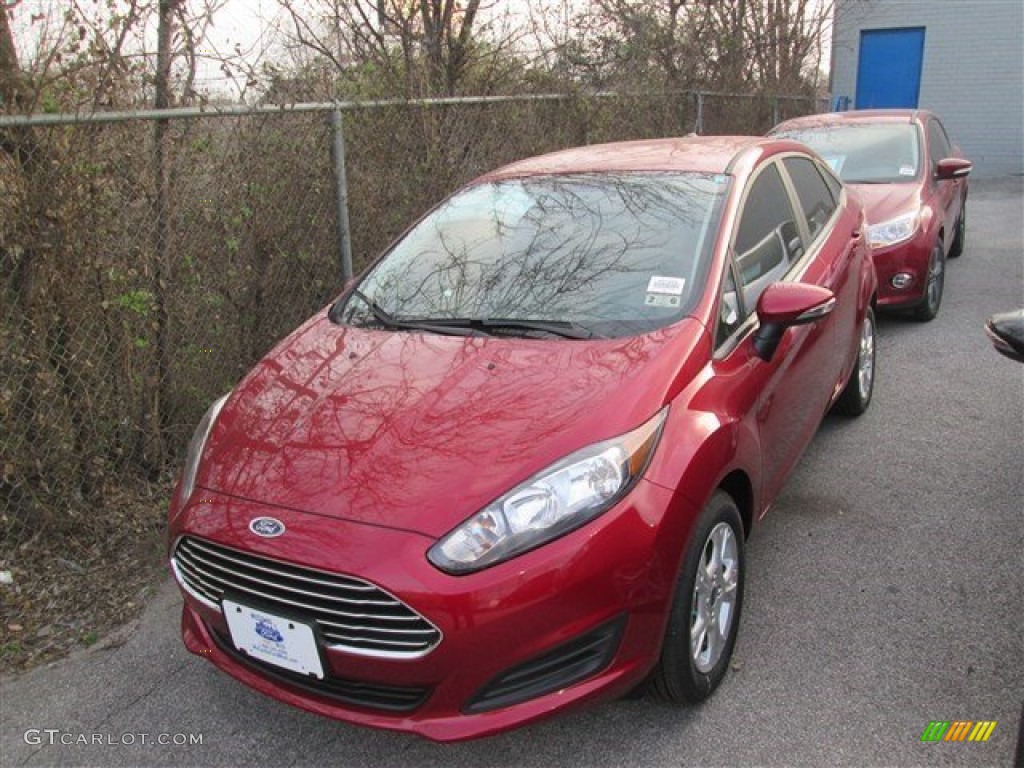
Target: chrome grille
(351, 614)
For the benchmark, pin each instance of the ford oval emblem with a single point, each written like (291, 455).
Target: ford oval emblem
(268, 527)
(268, 631)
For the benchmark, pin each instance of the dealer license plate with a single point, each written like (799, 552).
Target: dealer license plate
(285, 643)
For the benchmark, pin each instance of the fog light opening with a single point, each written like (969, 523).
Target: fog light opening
(901, 280)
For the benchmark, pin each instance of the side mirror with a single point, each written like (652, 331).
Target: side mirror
(786, 304)
(953, 168)
(1006, 332)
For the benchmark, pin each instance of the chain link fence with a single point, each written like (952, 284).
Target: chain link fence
(146, 262)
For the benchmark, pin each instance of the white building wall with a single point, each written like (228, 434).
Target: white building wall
(972, 73)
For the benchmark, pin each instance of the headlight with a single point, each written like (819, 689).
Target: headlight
(195, 449)
(553, 502)
(894, 230)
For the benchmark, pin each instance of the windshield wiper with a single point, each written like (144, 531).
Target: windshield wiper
(389, 321)
(562, 328)
(468, 326)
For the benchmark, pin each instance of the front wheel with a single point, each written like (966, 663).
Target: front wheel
(705, 611)
(929, 308)
(859, 387)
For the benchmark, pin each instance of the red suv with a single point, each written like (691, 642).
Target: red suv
(511, 470)
(913, 183)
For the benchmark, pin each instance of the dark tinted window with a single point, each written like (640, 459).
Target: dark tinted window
(938, 142)
(865, 152)
(811, 190)
(618, 254)
(834, 185)
(767, 240)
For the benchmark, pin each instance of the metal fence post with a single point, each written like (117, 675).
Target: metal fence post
(341, 193)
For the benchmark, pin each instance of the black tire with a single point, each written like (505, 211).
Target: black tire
(679, 678)
(957, 248)
(927, 310)
(856, 395)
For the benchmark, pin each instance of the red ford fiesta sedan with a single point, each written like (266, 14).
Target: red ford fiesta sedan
(913, 183)
(512, 469)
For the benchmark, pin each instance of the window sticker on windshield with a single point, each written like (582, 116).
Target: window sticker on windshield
(661, 300)
(671, 285)
(907, 170)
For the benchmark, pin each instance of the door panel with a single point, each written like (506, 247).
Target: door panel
(811, 359)
(793, 400)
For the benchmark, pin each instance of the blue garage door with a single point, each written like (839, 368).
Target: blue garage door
(889, 67)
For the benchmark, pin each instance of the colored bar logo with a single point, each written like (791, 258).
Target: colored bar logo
(958, 730)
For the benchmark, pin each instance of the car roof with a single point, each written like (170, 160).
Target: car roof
(854, 116)
(698, 154)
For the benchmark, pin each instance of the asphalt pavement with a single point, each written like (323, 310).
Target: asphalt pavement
(884, 591)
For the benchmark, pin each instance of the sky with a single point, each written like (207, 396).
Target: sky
(250, 24)
(257, 25)
(254, 27)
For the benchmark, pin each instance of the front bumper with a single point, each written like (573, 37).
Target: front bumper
(911, 258)
(606, 586)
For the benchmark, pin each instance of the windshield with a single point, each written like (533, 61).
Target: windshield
(865, 152)
(609, 255)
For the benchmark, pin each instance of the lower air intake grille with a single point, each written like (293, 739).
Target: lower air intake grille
(569, 663)
(352, 614)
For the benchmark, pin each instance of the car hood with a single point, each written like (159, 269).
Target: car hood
(887, 201)
(419, 431)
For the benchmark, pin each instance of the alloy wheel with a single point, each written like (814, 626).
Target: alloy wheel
(936, 278)
(714, 597)
(866, 358)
